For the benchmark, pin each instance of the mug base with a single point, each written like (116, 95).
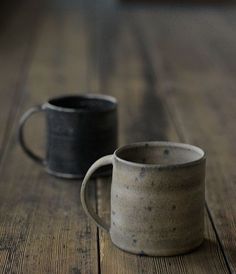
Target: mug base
(69, 176)
(163, 253)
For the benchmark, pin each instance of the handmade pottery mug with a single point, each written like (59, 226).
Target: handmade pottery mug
(80, 129)
(157, 198)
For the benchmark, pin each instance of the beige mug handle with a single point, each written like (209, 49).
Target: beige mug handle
(106, 160)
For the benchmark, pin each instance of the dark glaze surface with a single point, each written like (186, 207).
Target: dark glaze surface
(77, 139)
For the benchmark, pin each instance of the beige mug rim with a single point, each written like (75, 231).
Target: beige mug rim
(197, 149)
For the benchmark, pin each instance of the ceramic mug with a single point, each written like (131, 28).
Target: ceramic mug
(80, 129)
(157, 198)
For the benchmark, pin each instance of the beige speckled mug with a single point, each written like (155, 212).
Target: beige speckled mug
(157, 198)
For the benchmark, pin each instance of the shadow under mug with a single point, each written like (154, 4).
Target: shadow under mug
(79, 129)
(157, 198)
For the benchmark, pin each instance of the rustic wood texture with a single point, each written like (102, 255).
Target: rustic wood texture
(207, 94)
(15, 54)
(172, 70)
(43, 227)
(139, 89)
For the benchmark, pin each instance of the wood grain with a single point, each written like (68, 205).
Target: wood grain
(205, 94)
(15, 53)
(139, 87)
(172, 71)
(43, 228)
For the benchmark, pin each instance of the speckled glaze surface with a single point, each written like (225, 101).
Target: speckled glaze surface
(80, 129)
(157, 198)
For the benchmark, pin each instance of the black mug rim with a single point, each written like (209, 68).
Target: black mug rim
(101, 97)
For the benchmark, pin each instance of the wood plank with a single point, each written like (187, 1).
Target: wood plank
(205, 94)
(125, 69)
(43, 228)
(15, 54)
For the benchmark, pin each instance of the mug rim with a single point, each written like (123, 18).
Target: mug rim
(161, 144)
(102, 97)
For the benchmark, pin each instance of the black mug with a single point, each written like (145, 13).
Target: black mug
(80, 129)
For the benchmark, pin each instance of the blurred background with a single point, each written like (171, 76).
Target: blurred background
(142, 52)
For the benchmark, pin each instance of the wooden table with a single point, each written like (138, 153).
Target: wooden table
(172, 68)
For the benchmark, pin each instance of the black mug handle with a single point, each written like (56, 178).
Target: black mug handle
(21, 139)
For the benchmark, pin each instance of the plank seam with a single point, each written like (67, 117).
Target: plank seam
(98, 236)
(183, 139)
(179, 131)
(18, 97)
(218, 239)
(19, 92)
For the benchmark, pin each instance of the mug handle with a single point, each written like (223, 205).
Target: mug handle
(106, 160)
(21, 139)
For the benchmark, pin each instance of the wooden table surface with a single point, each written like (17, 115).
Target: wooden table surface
(173, 70)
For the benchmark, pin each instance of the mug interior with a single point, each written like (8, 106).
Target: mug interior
(84, 103)
(160, 153)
